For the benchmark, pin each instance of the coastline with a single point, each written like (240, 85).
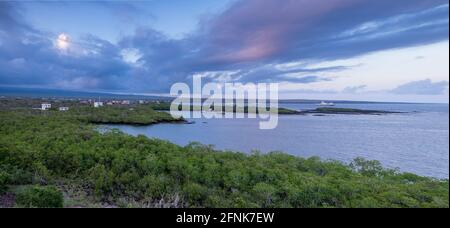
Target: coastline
(114, 169)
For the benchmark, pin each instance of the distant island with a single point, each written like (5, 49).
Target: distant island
(345, 111)
(286, 111)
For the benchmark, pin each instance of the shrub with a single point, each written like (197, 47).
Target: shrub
(12, 175)
(4, 179)
(367, 168)
(40, 197)
(115, 168)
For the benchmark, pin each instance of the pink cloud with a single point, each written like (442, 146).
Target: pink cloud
(258, 29)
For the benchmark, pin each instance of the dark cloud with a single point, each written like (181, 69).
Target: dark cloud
(251, 38)
(424, 87)
(267, 30)
(30, 57)
(253, 35)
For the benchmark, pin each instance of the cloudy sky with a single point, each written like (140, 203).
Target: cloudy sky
(378, 50)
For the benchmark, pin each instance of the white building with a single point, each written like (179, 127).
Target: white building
(46, 106)
(98, 104)
(63, 109)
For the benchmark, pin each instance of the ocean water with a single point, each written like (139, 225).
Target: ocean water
(416, 141)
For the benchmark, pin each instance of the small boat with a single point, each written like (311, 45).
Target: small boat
(325, 104)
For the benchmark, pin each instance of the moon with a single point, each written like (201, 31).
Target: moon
(63, 41)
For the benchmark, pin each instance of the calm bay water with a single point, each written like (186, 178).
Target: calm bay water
(416, 142)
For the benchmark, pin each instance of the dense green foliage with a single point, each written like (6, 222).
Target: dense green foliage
(40, 197)
(117, 114)
(161, 106)
(116, 169)
(3, 181)
(139, 115)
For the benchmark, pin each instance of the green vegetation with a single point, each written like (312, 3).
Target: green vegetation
(161, 106)
(139, 115)
(40, 197)
(113, 169)
(285, 111)
(118, 114)
(3, 181)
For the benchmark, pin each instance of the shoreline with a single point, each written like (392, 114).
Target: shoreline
(115, 169)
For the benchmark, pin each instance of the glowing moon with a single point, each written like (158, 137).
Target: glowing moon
(62, 42)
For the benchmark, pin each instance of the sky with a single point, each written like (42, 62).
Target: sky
(373, 50)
